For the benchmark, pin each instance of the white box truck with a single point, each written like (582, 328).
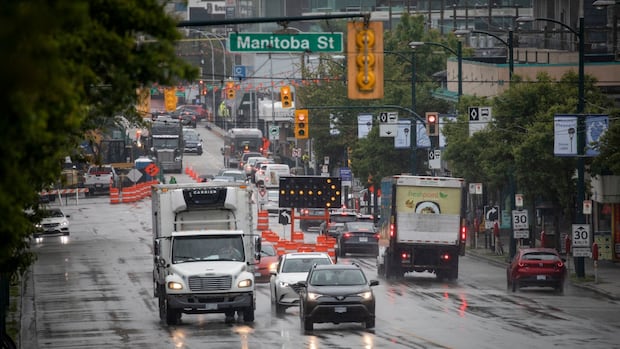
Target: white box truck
(204, 250)
(422, 225)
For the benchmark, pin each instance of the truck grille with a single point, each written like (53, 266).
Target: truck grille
(209, 283)
(165, 156)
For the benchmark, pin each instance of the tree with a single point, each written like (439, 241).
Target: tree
(67, 67)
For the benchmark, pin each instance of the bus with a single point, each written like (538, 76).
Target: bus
(241, 140)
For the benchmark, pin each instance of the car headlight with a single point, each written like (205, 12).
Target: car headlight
(273, 267)
(199, 145)
(175, 285)
(38, 226)
(365, 295)
(245, 283)
(314, 296)
(64, 223)
(283, 284)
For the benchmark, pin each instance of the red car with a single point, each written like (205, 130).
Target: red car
(542, 267)
(268, 259)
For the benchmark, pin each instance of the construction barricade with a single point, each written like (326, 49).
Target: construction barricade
(262, 223)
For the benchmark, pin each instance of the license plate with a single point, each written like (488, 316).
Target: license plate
(541, 277)
(98, 185)
(257, 274)
(363, 239)
(210, 306)
(340, 310)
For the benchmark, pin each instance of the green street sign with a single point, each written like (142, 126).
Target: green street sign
(296, 42)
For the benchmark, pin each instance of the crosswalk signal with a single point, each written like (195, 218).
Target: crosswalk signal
(230, 90)
(432, 128)
(285, 97)
(365, 60)
(301, 124)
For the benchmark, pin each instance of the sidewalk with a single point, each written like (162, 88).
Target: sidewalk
(605, 280)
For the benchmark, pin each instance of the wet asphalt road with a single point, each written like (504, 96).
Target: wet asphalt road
(94, 290)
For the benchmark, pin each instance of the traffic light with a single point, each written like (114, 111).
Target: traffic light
(365, 60)
(310, 192)
(285, 96)
(432, 124)
(301, 123)
(230, 90)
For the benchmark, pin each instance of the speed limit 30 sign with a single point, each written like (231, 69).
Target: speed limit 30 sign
(520, 224)
(581, 235)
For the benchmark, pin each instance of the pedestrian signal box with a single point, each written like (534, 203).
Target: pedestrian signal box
(310, 192)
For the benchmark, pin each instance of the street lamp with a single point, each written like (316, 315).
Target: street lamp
(508, 43)
(580, 218)
(459, 56)
(610, 4)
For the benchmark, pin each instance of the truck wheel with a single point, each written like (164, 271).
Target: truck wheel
(280, 309)
(171, 316)
(248, 314)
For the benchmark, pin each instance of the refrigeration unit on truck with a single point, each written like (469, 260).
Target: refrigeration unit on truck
(194, 228)
(422, 226)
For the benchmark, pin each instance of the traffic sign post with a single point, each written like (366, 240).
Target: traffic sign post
(581, 240)
(520, 224)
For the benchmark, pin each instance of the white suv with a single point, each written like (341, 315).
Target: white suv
(292, 268)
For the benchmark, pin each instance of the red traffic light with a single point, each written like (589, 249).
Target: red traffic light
(432, 118)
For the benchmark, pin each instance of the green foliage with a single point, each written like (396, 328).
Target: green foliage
(66, 67)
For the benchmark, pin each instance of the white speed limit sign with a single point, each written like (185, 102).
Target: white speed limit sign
(519, 220)
(581, 235)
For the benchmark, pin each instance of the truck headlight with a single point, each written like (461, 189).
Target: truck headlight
(245, 283)
(175, 285)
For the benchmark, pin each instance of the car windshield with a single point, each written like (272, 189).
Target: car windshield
(338, 277)
(539, 256)
(53, 213)
(191, 136)
(267, 250)
(339, 218)
(238, 176)
(360, 226)
(302, 265)
(200, 248)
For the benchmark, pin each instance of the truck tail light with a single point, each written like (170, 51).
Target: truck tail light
(445, 257)
(463, 233)
(392, 231)
(404, 256)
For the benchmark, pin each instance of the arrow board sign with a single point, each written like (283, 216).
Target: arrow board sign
(388, 130)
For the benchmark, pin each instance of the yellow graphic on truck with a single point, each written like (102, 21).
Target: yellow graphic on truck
(428, 200)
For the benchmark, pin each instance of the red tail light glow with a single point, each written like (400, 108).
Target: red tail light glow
(463, 233)
(404, 255)
(392, 231)
(377, 236)
(346, 235)
(445, 256)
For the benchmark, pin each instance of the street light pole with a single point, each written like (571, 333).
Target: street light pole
(579, 216)
(458, 53)
(508, 43)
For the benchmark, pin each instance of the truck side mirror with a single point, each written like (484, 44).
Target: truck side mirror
(257, 248)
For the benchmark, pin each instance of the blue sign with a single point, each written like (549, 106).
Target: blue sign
(596, 126)
(240, 72)
(345, 174)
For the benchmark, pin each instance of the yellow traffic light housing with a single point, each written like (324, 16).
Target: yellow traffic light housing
(230, 90)
(432, 124)
(301, 124)
(285, 97)
(365, 60)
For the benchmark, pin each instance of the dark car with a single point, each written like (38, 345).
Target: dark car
(358, 237)
(311, 218)
(192, 143)
(542, 267)
(336, 293)
(337, 217)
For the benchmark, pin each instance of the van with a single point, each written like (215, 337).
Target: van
(269, 174)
